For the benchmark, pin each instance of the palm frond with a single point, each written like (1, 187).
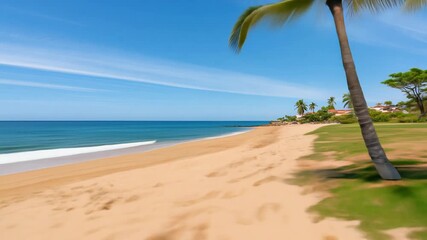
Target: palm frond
(279, 13)
(355, 6)
(412, 5)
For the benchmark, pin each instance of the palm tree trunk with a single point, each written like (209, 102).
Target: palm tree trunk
(376, 152)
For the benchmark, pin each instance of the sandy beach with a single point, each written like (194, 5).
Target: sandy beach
(227, 188)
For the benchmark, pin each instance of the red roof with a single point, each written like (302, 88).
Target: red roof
(339, 111)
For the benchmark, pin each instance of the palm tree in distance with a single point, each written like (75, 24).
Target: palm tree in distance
(331, 103)
(312, 106)
(301, 107)
(286, 10)
(346, 99)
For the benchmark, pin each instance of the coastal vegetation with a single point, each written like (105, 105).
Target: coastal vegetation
(401, 113)
(341, 168)
(412, 83)
(284, 11)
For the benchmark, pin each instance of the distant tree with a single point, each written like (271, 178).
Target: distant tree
(331, 103)
(413, 83)
(301, 107)
(312, 107)
(388, 103)
(346, 99)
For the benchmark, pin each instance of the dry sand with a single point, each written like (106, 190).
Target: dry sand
(228, 188)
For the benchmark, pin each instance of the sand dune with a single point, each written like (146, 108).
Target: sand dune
(227, 188)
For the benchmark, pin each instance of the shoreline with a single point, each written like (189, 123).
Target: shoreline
(97, 164)
(48, 162)
(231, 187)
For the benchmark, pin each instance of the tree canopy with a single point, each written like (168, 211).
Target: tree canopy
(413, 83)
(285, 11)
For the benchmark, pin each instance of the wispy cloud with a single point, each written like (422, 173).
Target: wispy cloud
(44, 16)
(137, 69)
(393, 29)
(410, 27)
(46, 85)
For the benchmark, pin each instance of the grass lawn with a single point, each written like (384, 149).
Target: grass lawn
(357, 192)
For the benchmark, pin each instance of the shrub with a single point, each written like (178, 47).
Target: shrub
(345, 119)
(320, 116)
(410, 118)
(378, 116)
(290, 118)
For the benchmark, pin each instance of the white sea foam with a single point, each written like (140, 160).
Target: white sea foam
(62, 152)
(225, 135)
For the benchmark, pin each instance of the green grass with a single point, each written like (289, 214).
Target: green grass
(346, 140)
(357, 191)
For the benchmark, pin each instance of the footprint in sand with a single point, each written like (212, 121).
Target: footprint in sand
(216, 174)
(267, 208)
(132, 198)
(267, 180)
(207, 196)
(223, 171)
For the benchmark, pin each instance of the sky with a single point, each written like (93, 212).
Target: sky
(170, 60)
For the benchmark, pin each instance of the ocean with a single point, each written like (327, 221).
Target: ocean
(22, 141)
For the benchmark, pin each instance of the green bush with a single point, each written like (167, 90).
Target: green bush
(320, 116)
(287, 118)
(290, 118)
(378, 116)
(345, 119)
(410, 118)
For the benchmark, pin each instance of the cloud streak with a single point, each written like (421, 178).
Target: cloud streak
(45, 85)
(137, 69)
(392, 29)
(42, 16)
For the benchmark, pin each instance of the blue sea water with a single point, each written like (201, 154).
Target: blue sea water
(23, 136)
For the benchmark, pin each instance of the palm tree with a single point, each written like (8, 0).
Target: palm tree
(346, 99)
(301, 107)
(331, 103)
(312, 106)
(286, 10)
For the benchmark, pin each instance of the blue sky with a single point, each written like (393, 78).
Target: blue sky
(169, 60)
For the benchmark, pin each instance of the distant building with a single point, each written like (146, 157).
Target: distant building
(339, 112)
(385, 108)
